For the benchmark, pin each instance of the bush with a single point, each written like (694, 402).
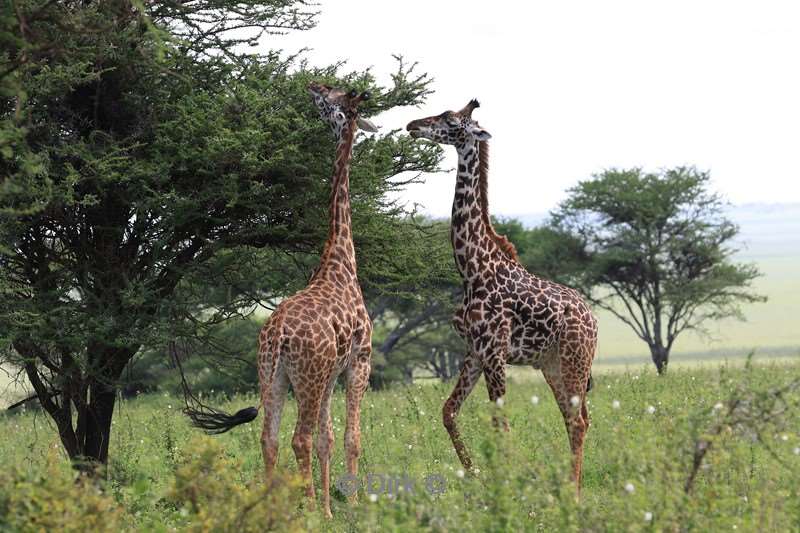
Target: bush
(57, 501)
(210, 492)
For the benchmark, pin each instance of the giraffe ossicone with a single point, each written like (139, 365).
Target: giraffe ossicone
(508, 315)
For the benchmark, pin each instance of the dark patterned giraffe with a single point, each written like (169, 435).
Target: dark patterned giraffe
(320, 332)
(508, 316)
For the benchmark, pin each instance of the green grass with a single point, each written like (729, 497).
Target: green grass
(522, 482)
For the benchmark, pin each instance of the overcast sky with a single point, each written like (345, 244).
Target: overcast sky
(568, 88)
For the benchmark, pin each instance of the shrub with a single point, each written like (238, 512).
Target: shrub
(209, 492)
(57, 500)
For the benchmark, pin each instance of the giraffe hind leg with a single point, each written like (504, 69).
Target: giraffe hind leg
(325, 441)
(357, 376)
(568, 384)
(274, 390)
(309, 399)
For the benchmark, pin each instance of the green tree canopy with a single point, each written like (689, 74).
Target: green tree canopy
(181, 179)
(656, 250)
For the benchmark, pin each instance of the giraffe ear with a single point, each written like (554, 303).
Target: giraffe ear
(366, 125)
(479, 133)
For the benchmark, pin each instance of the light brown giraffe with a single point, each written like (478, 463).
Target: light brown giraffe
(508, 316)
(320, 332)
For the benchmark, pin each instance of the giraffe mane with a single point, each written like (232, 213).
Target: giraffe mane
(505, 245)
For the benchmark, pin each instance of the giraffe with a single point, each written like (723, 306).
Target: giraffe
(508, 315)
(320, 332)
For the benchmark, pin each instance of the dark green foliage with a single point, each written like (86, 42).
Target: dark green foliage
(656, 251)
(179, 182)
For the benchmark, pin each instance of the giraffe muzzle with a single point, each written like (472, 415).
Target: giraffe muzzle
(416, 129)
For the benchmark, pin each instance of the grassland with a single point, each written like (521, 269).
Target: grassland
(748, 480)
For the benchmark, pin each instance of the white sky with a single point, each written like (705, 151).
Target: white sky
(568, 88)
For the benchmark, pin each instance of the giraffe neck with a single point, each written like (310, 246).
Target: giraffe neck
(339, 253)
(471, 232)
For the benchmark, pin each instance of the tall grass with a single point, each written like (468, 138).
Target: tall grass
(641, 449)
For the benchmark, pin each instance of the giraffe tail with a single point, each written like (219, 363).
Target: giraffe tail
(214, 422)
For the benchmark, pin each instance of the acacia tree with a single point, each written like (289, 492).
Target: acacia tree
(655, 250)
(171, 161)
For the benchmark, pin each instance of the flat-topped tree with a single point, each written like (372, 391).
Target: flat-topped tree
(657, 251)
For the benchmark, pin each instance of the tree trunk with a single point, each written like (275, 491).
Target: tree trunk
(660, 356)
(97, 434)
(86, 437)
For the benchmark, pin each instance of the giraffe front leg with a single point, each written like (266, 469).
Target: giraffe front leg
(470, 372)
(494, 373)
(357, 382)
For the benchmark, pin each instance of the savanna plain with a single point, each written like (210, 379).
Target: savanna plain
(700, 449)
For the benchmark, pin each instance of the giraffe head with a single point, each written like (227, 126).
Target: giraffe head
(339, 108)
(451, 127)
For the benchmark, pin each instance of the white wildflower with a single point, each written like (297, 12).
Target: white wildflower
(615, 404)
(460, 473)
(535, 400)
(629, 488)
(651, 409)
(718, 406)
(648, 516)
(797, 450)
(373, 497)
